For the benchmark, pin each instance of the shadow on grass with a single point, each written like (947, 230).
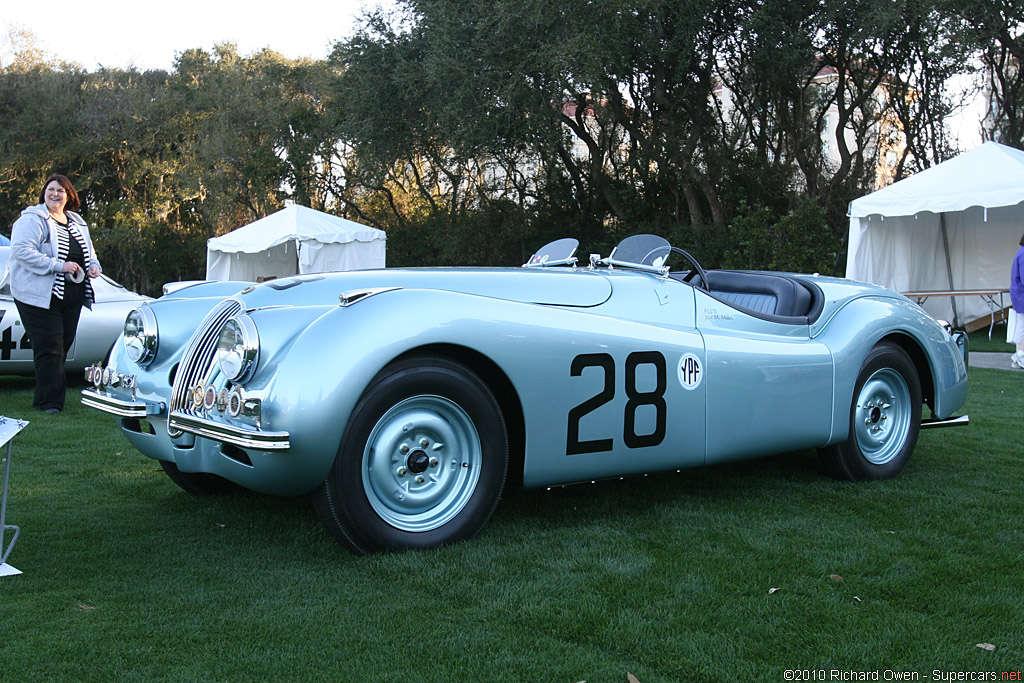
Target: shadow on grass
(762, 481)
(280, 524)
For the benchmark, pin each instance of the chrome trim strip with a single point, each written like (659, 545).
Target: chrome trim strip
(356, 295)
(112, 405)
(571, 261)
(230, 434)
(961, 421)
(657, 270)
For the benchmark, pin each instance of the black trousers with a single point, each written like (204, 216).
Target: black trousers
(52, 332)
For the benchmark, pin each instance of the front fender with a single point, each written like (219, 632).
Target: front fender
(853, 330)
(310, 390)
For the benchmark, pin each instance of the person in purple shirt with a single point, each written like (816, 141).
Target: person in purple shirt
(1017, 299)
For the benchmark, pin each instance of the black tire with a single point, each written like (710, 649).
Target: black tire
(422, 462)
(885, 418)
(198, 483)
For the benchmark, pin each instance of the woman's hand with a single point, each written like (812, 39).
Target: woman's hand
(70, 267)
(94, 272)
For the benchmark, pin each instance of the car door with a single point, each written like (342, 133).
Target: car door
(616, 389)
(769, 385)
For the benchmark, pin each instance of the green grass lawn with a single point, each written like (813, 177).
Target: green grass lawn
(665, 577)
(979, 340)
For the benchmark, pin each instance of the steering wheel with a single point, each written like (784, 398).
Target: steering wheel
(696, 271)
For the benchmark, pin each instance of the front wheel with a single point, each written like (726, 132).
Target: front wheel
(885, 418)
(422, 462)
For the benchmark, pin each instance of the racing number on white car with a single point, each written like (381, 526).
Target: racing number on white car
(635, 400)
(7, 343)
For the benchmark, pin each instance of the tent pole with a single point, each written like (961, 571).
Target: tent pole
(949, 268)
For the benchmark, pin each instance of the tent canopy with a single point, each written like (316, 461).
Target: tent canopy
(954, 226)
(988, 176)
(295, 240)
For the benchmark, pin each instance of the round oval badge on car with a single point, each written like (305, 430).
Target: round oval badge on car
(691, 372)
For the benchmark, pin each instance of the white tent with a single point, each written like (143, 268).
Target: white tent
(292, 241)
(955, 226)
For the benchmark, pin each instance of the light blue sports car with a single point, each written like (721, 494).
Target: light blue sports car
(401, 399)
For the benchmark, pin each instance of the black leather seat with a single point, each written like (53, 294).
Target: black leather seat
(772, 296)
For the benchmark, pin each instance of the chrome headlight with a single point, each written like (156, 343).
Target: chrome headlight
(140, 335)
(238, 348)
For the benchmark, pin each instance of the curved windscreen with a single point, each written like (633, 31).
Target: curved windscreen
(554, 253)
(648, 250)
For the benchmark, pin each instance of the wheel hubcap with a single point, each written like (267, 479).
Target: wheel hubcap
(418, 461)
(883, 416)
(421, 463)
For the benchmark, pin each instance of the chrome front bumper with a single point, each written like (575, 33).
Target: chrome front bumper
(243, 437)
(119, 406)
(184, 421)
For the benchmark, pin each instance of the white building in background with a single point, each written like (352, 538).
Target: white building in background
(885, 143)
(972, 124)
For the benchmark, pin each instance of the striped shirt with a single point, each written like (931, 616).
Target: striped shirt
(64, 234)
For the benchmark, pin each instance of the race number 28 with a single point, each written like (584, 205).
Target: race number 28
(636, 399)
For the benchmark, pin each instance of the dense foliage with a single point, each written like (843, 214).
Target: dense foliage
(474, 131)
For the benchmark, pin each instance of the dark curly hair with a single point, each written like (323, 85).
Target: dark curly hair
(73, 202)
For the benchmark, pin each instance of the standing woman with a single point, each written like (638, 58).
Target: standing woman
(51, 253)
(1017, 299)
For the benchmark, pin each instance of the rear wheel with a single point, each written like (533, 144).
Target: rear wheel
(885, 418)
(422, 462)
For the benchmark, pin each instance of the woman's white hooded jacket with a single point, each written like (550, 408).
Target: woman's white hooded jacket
(34, 263)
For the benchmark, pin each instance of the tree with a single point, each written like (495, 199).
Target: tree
(996, 31)
(21, 51)
(474, 131)
(37, 107)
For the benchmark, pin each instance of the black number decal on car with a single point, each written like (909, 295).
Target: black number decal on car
(6, 341)
(573, 445)
(635, 400)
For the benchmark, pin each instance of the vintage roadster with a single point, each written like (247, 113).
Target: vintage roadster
(401, 398)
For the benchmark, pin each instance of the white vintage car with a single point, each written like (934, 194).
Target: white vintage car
(98, 328)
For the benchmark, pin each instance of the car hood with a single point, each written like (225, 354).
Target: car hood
(552, 287)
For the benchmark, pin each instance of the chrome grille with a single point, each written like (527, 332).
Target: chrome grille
(197, 362)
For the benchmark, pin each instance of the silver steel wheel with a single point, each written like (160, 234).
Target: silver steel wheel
(421, 463)
(883, 416)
